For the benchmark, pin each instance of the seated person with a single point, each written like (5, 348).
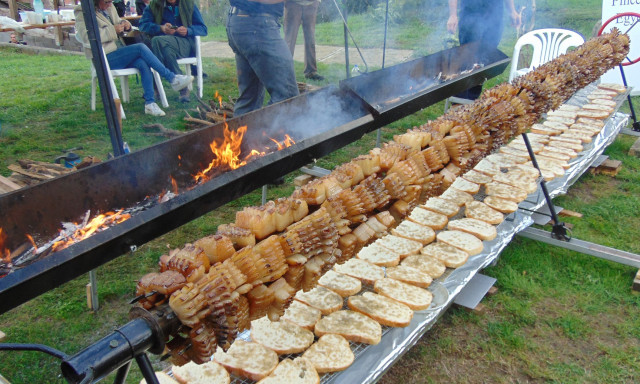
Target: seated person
(172, 26)
(119, 56)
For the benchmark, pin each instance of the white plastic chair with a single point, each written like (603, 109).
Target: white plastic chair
(197, 61)
(547, 45)
(123, 74)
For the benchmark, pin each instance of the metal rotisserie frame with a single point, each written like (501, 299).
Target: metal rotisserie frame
(320, 122)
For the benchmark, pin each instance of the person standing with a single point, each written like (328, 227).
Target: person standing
(172, 26)
(303, 12)
(119, 56)
(482, 21)
(263, 59)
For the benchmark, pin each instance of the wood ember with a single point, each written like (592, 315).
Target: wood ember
(207, 114)
(304, 87)
(159, 130)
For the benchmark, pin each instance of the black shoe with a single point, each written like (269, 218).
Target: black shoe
(194, 73)
(314, 76)
(184, 96)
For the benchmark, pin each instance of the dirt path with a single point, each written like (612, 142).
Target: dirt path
(325, 54)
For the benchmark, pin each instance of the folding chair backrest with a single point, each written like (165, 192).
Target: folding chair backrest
(547, 45)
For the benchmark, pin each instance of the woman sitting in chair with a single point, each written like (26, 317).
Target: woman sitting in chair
(121, 56)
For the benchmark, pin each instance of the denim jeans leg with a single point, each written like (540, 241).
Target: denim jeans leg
(146, 78)
(125, 56)
(263, 60)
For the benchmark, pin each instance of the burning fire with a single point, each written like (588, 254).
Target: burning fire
(227, 151)
(5, 253)
(96, 224)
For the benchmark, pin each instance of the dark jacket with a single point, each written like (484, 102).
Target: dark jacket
(159, 13)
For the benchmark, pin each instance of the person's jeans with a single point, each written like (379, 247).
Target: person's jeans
(262, 60)
(140, 57)
(294, 15)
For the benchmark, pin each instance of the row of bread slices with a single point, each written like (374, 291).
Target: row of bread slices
(412, 261)
(408, 183)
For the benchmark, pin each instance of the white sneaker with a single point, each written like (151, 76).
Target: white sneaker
(181, 81)
(153, 110)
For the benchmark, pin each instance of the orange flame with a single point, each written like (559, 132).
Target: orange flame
(218, 97)
(96, 224)
(174, 184)
(5, 253)
(227, 151)
(33, 243)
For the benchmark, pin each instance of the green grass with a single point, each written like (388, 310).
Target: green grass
(558, 316)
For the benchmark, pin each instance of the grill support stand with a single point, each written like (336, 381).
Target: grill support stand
(558, 236)
(636, 123)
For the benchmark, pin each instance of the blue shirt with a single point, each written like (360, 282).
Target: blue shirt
(255, 7)
(171, 15)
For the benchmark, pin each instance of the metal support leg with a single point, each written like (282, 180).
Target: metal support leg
(264, 194)
(93, 281)
(635, 124)
(123, 372)
(559, 230)
(146, 368)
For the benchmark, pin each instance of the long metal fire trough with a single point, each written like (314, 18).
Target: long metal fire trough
(320, 122)
(406, 88)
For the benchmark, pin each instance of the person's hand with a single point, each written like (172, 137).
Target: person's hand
(119, 28)
(452, 24)
(126, 24)
(167, 30)
(182, 31)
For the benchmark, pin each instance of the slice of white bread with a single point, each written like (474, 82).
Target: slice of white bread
(162, 377)
(339, 283)
(414, 231)
(409, 275)
(464, 185)
(302, 315)
(478, 228)
(440, 205)
(207, 373)
(281, 336)
(331, 353)
(481, 211)
(361, 270)
(247, 359)
(476, 177)
(320, 298)
(500, 204)
(297, 371)
(400, 245)
(462, 240)
(381, 309)
(429, 218)
(449, 255)
(379, 255)
(353, 326)
(413, 297)
(429, 265)
(618, 88)
(505, 191)
(457, 196)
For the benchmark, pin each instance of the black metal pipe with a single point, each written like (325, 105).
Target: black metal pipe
(113, 124)
(109, 353)
(559, 230)
(33, 347)
(147, 369)
(636, 124)
(121, 375)
(146, 332)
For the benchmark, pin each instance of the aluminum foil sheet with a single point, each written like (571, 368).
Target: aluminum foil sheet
(372, 361)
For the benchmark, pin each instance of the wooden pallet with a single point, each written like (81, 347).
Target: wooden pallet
(608, 167)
